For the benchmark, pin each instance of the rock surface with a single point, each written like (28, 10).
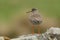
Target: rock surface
(1, 38)
(51, 34)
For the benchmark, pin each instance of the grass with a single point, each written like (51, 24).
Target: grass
(50, 8)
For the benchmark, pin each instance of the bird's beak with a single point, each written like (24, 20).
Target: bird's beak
(28, 11)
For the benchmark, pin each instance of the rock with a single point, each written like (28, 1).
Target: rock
(54, 33)
(1, 38)
(51, 34)
(53, 30)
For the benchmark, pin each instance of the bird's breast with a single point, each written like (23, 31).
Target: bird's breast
(35, 22)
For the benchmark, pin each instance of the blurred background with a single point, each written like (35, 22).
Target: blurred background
(14, 19)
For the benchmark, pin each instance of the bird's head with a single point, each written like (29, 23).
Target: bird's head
(32, 10)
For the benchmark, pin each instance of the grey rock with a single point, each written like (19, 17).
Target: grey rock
(50, 34)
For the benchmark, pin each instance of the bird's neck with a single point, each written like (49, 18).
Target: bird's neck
(35, 12)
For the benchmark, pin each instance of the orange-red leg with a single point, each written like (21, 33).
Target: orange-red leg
(33, 29)
(38, 29)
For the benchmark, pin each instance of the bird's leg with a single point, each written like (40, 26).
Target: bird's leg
(33, 29)
(38, 29)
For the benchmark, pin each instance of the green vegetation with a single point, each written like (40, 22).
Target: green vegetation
(50, 8)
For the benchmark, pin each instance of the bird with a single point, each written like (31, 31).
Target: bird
(35, 19)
